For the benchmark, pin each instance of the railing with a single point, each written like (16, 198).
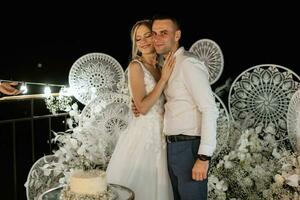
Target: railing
(26, 128)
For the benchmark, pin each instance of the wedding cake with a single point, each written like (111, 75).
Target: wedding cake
(90, 182)
(88, 185)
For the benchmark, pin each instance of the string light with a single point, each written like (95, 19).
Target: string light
(23, 88)
(47, 90)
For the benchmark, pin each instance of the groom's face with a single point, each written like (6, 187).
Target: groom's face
(165, 36)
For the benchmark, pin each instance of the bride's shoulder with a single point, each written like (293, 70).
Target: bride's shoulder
(135, 64)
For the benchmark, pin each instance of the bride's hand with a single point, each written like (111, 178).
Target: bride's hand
(134, 109)
(168, 67)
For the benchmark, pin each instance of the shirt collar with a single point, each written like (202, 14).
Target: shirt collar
(179, 51)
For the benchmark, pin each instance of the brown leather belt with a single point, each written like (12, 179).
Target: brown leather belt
(180, 138)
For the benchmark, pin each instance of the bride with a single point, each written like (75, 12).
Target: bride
(139, 160)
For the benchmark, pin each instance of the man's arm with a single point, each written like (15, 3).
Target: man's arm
(197, 83)
(8, 88)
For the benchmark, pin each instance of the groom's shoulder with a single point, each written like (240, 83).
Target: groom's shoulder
(190, 60)
(188, 54)
(189, 57)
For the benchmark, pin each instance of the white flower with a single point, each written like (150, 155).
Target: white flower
(276, 154)
(228, 164)
(220, 164)
(296, 196)
(247, 181)
(226, 157)
(213, 179)
(294, 161)
(73, 143)
(47, 172)
(257, 157)
(293, 180)
(75, 106)
(232, 155)
(242, 156)
(70, 123)
(279, 179)
(221, 185)
(270, 129)
(258, 129)
(256, 167)
(248, 156)
(72, 113)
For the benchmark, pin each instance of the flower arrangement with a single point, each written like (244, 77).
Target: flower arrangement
(59, 103)
(82, 147)
(255, 167)
(51, 169)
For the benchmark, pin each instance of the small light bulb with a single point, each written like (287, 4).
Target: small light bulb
(23, 88)
(47, 91)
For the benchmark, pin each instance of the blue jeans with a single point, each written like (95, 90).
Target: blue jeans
(181, 158)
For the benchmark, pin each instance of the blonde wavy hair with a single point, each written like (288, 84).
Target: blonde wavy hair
(135, 53)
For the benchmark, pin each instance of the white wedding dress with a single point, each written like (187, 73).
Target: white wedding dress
(139, 160)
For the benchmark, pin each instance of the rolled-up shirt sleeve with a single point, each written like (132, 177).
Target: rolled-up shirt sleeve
(195, 76)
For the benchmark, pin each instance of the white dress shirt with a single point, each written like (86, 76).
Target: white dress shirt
(191, 108)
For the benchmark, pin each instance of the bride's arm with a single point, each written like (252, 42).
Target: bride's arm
(142, 101)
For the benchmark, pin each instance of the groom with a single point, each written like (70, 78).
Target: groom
(190, 114)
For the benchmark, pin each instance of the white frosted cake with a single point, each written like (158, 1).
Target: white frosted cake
(88, 185)
(91, 182)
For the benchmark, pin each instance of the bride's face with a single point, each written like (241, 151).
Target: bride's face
(144, 40)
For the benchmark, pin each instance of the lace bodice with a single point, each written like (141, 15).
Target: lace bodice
(150, 82)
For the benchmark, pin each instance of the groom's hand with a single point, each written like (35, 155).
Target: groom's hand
(200, 169)
(134, 109)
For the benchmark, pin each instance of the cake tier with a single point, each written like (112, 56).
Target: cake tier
(88, 182)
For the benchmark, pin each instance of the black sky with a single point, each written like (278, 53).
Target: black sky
(41, 44)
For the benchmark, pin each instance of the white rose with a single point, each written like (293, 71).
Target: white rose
(293, 180)
(279, 179)
(270, 129)
(75, 106)
(247, 181)
(242, 156)
(276, 154)
(228, 165)
(258, 129)
(72, 113)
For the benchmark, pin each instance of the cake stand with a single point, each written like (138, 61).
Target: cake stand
(124, 193)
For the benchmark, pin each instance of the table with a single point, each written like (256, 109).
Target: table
(124, 193)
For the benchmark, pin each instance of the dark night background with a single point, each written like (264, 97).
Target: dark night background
(40, 43)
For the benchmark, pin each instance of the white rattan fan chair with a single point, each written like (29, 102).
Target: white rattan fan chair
(211, 54)
(93, 74)
(293, 121)
(264, 92)
(37, 181)
(223, 127)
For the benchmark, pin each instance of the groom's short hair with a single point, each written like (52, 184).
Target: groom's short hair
(167, 16)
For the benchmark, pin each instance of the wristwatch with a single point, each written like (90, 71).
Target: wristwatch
(203, 157)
